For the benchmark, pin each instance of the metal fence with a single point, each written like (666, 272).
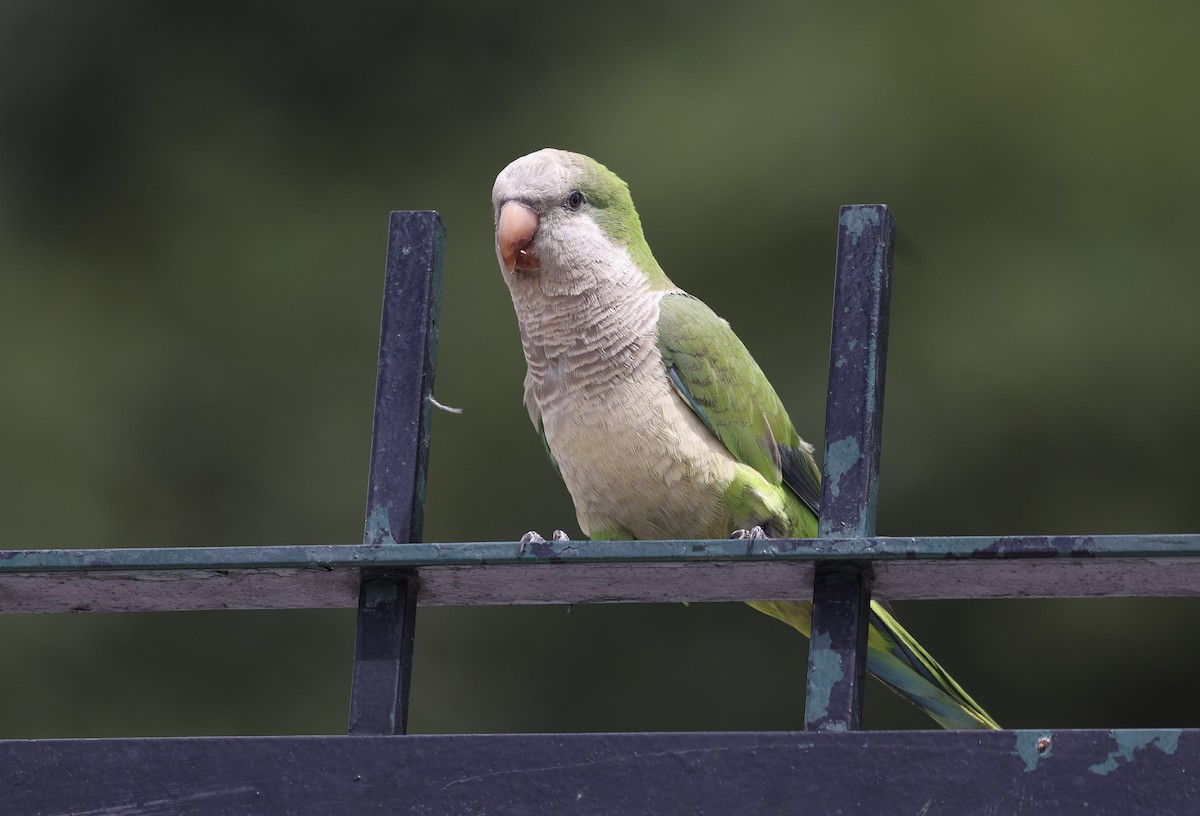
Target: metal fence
(832, 767)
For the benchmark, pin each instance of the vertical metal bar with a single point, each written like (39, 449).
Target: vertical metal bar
(399, 455)
(850, 489)
(408, 336)
(857, 363)
(383, 649)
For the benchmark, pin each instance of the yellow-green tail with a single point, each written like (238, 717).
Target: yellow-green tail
(902, 664)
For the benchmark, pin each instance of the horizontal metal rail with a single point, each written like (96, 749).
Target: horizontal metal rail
(913, 772)
(498, 573)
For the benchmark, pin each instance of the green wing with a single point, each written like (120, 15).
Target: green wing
(716, 376)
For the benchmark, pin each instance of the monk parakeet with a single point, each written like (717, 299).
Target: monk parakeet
(655, 414)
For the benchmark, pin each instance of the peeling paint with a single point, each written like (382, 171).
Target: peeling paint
(1130, 741)
(1029, 747)
(824, 671)
(378, 530)
(839, 458)
(858, 219)
(841, 361)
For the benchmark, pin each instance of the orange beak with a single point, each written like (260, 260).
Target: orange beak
(514, 233)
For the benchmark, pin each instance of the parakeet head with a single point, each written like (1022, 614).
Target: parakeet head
(565, 222)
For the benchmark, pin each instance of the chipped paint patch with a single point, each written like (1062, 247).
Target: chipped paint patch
(839, 458)
(1130, 741)
(378, 529)
(857, 219)
(1030, 747)
(824, 671)
(841, 361)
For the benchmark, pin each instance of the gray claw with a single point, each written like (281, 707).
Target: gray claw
(753, 533)
(533, 537)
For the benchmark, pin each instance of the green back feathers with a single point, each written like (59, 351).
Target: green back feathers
(716, 376)
(611, 207)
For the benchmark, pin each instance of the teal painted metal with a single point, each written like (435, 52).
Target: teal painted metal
(1029, 550)
(837, 655)
(498, 573)
(862, 300)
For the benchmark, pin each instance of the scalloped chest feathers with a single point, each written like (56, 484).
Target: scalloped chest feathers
(631, 452)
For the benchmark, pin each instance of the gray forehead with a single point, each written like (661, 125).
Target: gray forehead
(545, 174)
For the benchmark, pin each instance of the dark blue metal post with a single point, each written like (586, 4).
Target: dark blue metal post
(853, 427)
(399, 454)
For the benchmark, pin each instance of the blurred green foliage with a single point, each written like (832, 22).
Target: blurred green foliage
(193, 209)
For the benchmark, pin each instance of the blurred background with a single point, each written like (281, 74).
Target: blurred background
(193, 217)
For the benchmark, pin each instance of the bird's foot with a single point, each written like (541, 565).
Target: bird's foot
(753, 533)
(533, 537)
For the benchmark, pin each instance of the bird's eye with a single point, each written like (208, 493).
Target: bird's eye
(574, 200)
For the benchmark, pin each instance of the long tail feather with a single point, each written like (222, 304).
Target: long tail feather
(902, 664)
